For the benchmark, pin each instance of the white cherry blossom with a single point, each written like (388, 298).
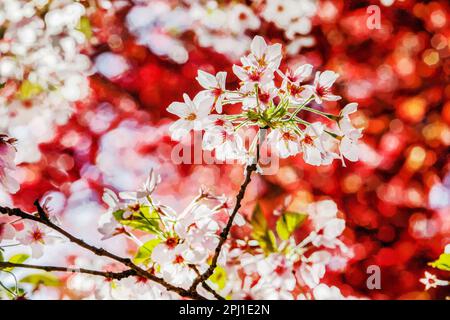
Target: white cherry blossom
(36, 236)
(431, 281)
(285, 142)
(194, 114)
(321, 89)
(214, 85)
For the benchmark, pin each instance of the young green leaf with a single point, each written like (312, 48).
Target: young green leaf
(288, 223)
(46, 279)
(219, 277)
(145, 251)
(261, 232)
(258, 221)
(145, 219)
(18, 258)
(118, 215)
(443, 263)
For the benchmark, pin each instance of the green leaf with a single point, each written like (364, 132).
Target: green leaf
(2, 85)
(288, 223)
(84, 26)
(18, 258)
(118, 215)
(145, 251)
(145, 219)
(258, 221)
(2, 258)
(261, 232)
(219, 277)
(28, 90)
(443, 263)
(269, 243)
(46, 279)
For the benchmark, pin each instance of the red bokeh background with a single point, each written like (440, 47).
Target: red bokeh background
(399, 74)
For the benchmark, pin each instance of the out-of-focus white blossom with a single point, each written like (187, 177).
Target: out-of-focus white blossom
(89, 287)
(7, 164)
(221, 25)
(7, 231)
(431, 281)
(41, 68)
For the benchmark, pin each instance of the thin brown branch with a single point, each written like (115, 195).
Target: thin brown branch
(224, 235)
(105, 274)
(206, 286)
(98, 251)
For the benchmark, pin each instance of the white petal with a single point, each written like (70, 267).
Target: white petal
(258, 46)
(349, 109)
(312, 156)
(327, 78)
(221, 79)
(206, 80)
(303, 72)
(334, 228)
(239, 220)
(349, 149)
(180, 109)
(180, 128)
(331, 97)
(110, 198)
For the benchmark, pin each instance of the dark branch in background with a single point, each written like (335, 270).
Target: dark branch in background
(201, 278)
(42, 218)
(105, 274)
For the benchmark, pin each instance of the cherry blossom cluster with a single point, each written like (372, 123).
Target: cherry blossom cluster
(90, 287)
(269, 263)
(267, 105)
(42, 69)
(175, 246)
(221, 25)
(179, 239)
(273, 265)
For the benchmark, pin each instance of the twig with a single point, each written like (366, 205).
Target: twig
(100, 251)
(40, 211)
(206, 286)
(105, 274)
(224, 235)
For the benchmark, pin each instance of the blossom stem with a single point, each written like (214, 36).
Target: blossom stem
(257, 97)
(306, 123)
(300, 108)
(324, 114)
(16, 286)
(243, 123)
(7, 289)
